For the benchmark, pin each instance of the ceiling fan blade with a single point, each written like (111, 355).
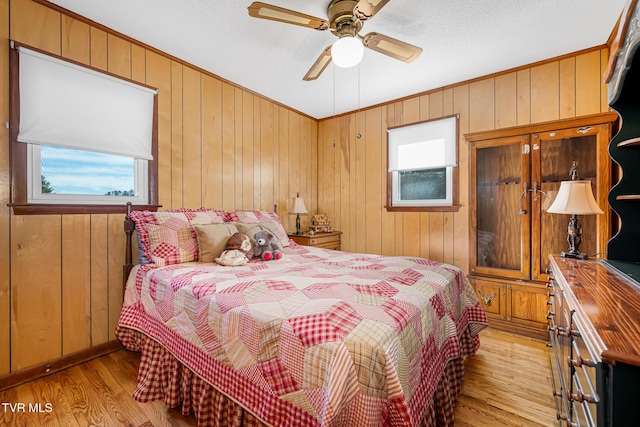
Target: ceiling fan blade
(365, 9)
(394, 48)
(318, 67)
(275, 13)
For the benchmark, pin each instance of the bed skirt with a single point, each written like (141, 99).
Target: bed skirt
(162, 376)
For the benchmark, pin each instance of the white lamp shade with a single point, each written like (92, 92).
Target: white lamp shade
(575, 198)
(298, 206)
(347, 52)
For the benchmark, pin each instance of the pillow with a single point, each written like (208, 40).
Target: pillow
(212, 239)
(260, 217)
(167, 237)
(251, 228)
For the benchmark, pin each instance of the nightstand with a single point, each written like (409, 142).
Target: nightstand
(319, 240)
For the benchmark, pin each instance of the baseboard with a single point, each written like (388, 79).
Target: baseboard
(28, 374)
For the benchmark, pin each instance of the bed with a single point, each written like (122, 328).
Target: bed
(316, 338)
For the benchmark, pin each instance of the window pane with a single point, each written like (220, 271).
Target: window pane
(428, 184)
(74, 172)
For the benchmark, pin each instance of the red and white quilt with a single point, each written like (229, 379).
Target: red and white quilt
(318, 337)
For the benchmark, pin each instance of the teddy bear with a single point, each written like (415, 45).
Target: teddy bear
(267, 247)
(238, 251)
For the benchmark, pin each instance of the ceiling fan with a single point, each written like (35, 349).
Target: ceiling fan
(345, 20)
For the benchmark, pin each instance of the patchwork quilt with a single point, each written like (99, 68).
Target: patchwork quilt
(318, 337)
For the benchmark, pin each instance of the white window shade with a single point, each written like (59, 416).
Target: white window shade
(67, 105)
(427, 145)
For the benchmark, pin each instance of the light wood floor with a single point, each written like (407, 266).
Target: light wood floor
(506, 384)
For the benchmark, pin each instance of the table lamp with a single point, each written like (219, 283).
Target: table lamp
(574, 198)
(298, 208)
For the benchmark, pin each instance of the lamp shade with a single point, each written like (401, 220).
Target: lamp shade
(297, 206)
(347, 52)
(575, 198)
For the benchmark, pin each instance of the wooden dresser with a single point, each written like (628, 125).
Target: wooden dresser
(321, 240)
(594, 329)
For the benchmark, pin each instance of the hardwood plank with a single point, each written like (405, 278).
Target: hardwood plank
(461, 218)
(588, 78)
(482, 105)
(116, 249)
(177, 129)
(545, 103)
(138, 66)
(98, 48)
(159, 76)
(524, 97)
(76, 43)
(436, 104)
(266, 155)
(567, 88)
(375, 183)
(604, 89)
(247, 151)
(506, 100)
(212, 142)
(191, 139)
(35, 292)
(286, 161)
(355, 181)
(237, 148)
(119, 56)
(35, 25)
(76, 283)
(99, 281)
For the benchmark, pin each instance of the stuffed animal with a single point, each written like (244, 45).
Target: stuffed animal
(267, 247)
(238, 251)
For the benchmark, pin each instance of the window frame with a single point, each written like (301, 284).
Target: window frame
(19, 158)
(454, 206)
(34, 184)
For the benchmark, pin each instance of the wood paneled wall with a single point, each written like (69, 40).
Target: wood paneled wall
(226, 147)
(352, 151)
(219, 146)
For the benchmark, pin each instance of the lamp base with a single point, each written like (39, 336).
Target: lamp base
(298, 224)
(575, 255)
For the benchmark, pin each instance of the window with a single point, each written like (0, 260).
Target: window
(65, 175)
(82, 140)
(423, 170)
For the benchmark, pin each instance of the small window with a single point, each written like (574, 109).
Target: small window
(423, 169)
(65, 175)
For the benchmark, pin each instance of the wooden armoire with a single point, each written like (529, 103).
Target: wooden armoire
(514, 175)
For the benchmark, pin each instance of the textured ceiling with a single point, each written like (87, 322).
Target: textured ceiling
(461, 39)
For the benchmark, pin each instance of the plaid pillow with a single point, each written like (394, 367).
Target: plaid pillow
(261, 216)
(167, 237)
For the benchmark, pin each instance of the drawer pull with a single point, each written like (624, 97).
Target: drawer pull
(550, 315)
(579, 362)
(581, 397)
(557, 330)
(564, 418)
(487, 299)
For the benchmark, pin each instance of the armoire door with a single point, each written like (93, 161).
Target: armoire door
(501, 224)
(552, 157)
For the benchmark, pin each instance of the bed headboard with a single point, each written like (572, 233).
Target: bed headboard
(129, 227)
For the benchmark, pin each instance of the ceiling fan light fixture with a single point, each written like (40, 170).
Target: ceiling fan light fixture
(347, 51)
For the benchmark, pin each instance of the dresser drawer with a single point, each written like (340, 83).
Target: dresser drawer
(319, 240)
(324, 241)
